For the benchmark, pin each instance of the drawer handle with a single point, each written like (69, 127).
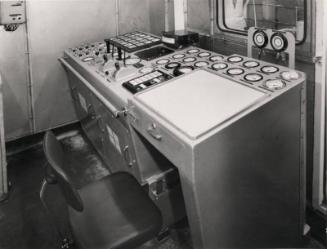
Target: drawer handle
(153, 132)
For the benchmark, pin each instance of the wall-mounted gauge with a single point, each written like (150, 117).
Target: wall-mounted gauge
(162, 61)
(178, 56)
(234, 59)
(235, 71)
(219, 66)
(290, 75)
(193, 51)
(274, 84)
(216, 58)
(253, 77)
(204, 54)
(182, 70)
(278, 42)
(172, 65)
(201, 64)
(269, 69)
(189, 59)
(260, 39)
(251, 64)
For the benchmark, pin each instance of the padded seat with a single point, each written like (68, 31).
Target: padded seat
(114, 212)
(117, 214)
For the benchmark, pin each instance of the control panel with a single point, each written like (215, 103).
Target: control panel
(12, 12)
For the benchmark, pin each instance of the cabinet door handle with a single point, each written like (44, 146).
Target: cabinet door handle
(154, 133)
(127, 156)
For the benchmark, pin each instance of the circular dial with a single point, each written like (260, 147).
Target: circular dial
(132, 61)
(260, 38)
(290, 75)
(251, 64)
(234, 59)
(172, 65)
(204, 54)
(193, 51)
(278, 42)
(162, 61)
(178, 56)
(182, 70)
(216, 58)
(146, 70)
(235, 71)
(219, 66)
(269, 69)
(189, 59)
(201, 64)
(253, 77)
(274, 84)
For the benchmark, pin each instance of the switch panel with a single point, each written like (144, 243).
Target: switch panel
(12, 12)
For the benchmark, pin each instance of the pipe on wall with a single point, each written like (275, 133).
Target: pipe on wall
(117, 16)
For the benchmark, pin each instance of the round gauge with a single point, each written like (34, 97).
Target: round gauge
(132, 61)
(216, 58)
(251, 64)
(193, 51)
(235, 71)
(260, 38)
(274, 84)
(146, 70)
(201, 64)
(182, 70)
(172, 65)
(189, 59)
(278, 42)
(86, 59)
(162, 61)
(269, 69)
(234, 59)
(204, 54)
(253, 77)
(219, 66)
(178, 56)
(290, 75)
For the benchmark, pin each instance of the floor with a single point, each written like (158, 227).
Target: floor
(25, 224)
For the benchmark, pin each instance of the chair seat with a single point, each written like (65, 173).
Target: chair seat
(117, 214)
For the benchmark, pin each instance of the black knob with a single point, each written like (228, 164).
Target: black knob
(105, 58)
(107, 41)
(97, 53)
(117, 66)
(106, 72)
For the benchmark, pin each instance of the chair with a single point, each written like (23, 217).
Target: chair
(114, 212)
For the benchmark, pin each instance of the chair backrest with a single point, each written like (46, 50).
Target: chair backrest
(56, 158)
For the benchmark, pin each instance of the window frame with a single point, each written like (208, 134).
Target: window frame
(225, 28)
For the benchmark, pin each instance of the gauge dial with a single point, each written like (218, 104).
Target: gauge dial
(146, 70)
(162, 61)
(189, 59)
(234, 59)
(201, 64)
(260, 38)
(178, 56)
(290, 75)
(269, 69)
(251, 64)
(235, 71)
(253, 77)
(183, 70)
(216, 58)
(193, 51)
(86, 59)
(219, 66)
(172, 65)
(274, 84)
(204, 54)
(132, 61)
(278, 42)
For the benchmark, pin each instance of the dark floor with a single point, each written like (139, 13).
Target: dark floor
(24, 224)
